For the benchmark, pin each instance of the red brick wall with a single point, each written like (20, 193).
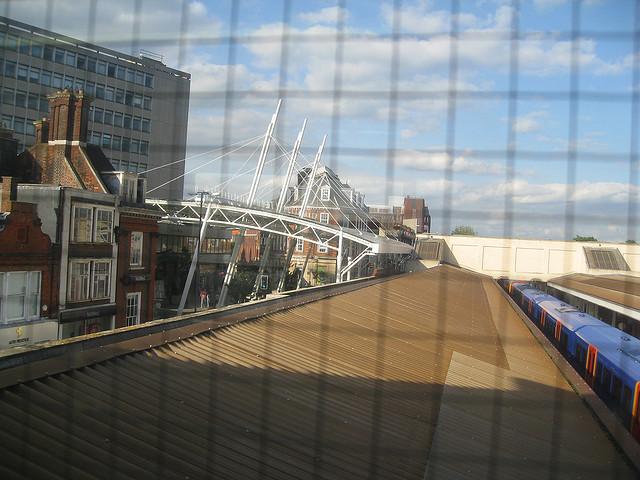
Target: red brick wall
(125, 282)
(26, 248)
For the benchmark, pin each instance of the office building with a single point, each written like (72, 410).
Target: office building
(140, 108)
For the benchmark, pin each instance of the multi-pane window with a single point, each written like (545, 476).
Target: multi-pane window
(324, 217)
(89, 280)
(104, 225)
(84, 219)
(133, 308)
(79, 281)
(323, 248)
(19, 296)
(299, 245)
(135, 256)
(325, 193)
(82, 223)
(101, 278)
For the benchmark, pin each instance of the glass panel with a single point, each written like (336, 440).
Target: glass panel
(79, 281)
(101, 274)
(101, 68)
(98, 115)
(111, 70)
(22, 72)
(34, 75)
(144, 148)
(130, 75)
(119, 95)
(82, 62)
(34, 101)
(147, 103)
(48, 52)
(36, 49)
(68, 82)
(137, 100)
(127, 121)
(106, 140)
(45, 79)
(135, 146)
(90, 88)
(10, 69)
(99, 90)
(117, 119)
(57, 80)
(71, 59)
(139, 78)
(109, 94)
(120, 72)
(82, 224)
(59, 55)
(104, 226)
(8, 96)
(146, 125)
(108, 117)
(148, 80)
(21, 98)
(33, 304)
(24, 46)
(16, 295)
(135, 257)
(116, 143)
(91, 64)
(137, 123)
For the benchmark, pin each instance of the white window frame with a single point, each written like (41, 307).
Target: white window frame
(93, 227)
(325, 193)
(133, 317)
(93, 279)
(139, 244)
(324, 218)
(323, 248)
(28, 294)
(299, 245)
(109, 231)
(74, 230)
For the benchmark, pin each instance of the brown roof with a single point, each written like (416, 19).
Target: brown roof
(621, 289)
(431, 374)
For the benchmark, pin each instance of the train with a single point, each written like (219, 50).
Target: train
(607, 358)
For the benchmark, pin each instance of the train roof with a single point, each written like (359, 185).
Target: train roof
(616, 346)
(569, 316)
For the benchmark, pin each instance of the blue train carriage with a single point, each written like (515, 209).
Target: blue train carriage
(612, 365)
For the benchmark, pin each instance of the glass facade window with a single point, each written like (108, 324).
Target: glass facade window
(90, 88)
(98, 115)
(148, 80)
(101, 68)
(33, 101)
(147, 103)
(128, 98)
(137, 123)
(11, 43)
(68, 82)
(106, 140)
(91, 64)
(21, 98)
(30, 128)
(146, 125)
(82, 62)
(34, 75)
(36, 49)
(111, 70)
(44, 104)
(121, 72)
(119, 95)
(8, 95)
(96, 138)
(57, 80)
(45, 78)
(117, 119)
(109, 94)
(24, 46)
(100, 91)
(127, 122)
(59, 55)
(137, 100)
(126, 142)
(139, 78)
(299, 245)
(10, 69)
(47, 52)
(108, 117)
(144, 148)
(18, 124)
(135, 146)
(131, 75)
(70, 59)
(116, 143)
(23, 72)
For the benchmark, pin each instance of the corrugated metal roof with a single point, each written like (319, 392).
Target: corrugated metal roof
(621, 289)
(427, 374)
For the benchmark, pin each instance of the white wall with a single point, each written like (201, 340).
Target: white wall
(527, 259)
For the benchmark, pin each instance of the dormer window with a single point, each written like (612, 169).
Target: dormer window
(325, 193)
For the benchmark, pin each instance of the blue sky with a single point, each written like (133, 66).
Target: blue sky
(470, 184)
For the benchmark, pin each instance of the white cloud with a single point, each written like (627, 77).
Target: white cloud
(528, 123)
(326, 15)
(547, 4)
(442, 161)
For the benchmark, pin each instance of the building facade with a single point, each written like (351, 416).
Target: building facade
(28, 274)
(140, 109)
(416, 214)
(96, 219)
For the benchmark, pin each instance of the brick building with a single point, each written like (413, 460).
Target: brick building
(416, 214)
(28, 273)
(96, 218)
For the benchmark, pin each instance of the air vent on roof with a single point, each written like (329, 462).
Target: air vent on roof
(429, 249)
(605, 259)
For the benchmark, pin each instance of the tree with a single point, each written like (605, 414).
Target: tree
(580, 238)
(631, 242)
(463, 230)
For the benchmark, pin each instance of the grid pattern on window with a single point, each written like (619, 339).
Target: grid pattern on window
(133, 309)
(89, 279)
(135, 255)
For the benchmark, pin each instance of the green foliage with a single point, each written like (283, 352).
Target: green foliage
(631, 242)
(580, 238)
(463, 230)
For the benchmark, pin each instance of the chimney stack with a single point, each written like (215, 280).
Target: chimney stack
(42, 130)
(69, 116)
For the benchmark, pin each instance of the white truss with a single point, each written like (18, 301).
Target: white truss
(278, 223)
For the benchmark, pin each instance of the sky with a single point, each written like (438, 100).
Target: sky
(492, 139)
